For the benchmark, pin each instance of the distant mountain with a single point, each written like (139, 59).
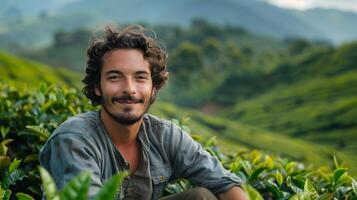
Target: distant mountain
(257, 16)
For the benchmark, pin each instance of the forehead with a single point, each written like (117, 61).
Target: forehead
(125, 60)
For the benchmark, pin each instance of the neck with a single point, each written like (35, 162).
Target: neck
(121, 135)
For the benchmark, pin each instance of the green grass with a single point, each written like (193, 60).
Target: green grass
(15, 70)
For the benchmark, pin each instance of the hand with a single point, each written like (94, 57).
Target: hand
(235, 193)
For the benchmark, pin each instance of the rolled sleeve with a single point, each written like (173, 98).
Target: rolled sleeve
(192, 162)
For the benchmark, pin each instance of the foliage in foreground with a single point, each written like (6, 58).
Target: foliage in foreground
(268, 176)
(27, 118)
(78, 187)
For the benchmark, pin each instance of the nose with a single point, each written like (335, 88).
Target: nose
(129, 87)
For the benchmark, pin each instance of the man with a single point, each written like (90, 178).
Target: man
(124, 72)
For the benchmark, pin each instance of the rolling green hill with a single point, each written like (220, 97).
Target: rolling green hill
(313, 98)
(18, 70)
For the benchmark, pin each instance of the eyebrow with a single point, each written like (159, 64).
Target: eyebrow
(119, 72)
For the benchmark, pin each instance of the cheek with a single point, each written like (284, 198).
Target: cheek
(110, 89)
(146, 90)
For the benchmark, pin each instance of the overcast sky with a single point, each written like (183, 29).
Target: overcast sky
(347, 5)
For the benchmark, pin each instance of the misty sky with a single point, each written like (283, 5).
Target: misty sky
(347, 5)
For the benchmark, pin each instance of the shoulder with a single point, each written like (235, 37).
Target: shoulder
(164, 131)
(160, 126)
(81, 125)
(74, 134)
(156, 122)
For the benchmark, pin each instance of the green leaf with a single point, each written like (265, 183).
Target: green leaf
(326, 196)
(310, 188)
(13, 177)
(290, 167)
(4, 131)
(48, 185)
(301, 196)
(3, 146)
(31, 158)
(256, 173)
(5, 194)
(269, 162)
(294, 186)
(279, 178)
(43, 133)
(252, 193)
(23, 196)
(275, 191)
(46, 105)
(354, 185)
(110, 188)
(339, 175)
(212, 141)
(77, 188)
(43, 88)
(71, 109)
(335, 162)
(14, 165)
(4, 162)
(246, 166)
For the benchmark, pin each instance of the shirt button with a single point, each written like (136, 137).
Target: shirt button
(162, 178)
(130, 190)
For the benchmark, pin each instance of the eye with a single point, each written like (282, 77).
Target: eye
(113, 77)
(142, 77)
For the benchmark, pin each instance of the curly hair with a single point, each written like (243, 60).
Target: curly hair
(131, 37)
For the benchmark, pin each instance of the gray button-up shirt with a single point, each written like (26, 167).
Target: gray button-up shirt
(82, 143)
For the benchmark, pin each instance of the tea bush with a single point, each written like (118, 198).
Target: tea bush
(28, 116)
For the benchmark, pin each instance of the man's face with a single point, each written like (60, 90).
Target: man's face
(125, 86)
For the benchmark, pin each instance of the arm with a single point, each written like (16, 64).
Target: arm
(235, 193)
(189, 160)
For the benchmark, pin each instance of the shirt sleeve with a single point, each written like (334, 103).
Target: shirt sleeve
(192, 162)
(66, 155)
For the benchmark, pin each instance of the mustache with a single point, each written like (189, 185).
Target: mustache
(127, 98)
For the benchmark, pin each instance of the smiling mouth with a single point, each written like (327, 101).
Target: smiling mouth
(127, 100)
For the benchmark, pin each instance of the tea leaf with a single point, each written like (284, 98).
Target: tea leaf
(110, 188)
(339, 174)
(252, 193)
(354, 186)
(77, 188)
(48, 185)
(12, 178)
(5, 194)
(310, 188)
(256, 172)
(23, 196)
(4, 131)
(14, 165)
(279, 178)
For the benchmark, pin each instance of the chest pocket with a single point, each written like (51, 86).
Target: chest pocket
(160, 176)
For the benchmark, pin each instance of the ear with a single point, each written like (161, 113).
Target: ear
(153, 92)
(153, 95)
(97, 90)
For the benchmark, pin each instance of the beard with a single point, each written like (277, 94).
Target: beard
(124, 117)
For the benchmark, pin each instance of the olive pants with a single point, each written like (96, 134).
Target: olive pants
(198, 193)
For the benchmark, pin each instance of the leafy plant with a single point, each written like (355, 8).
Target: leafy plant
(77, 187)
